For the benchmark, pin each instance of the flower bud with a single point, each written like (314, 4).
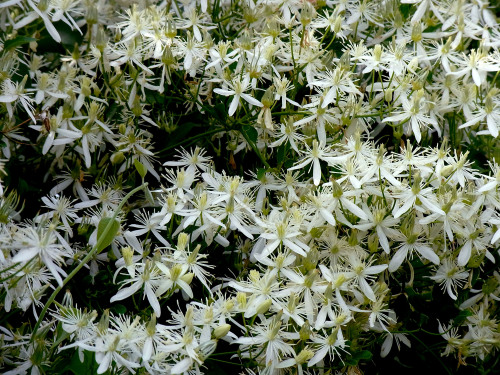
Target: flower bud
(187, 278)
(307, 13)
(268, 97)
(151, 326)
(117, 157)
(241, 298)
(91, 15)
(221, 331)
(103, 325)
(304, 356)
(305, 331)
(264, 306)
(373, 242)
(182, 241)
(447, 170)
(127, 254)
(101, 39)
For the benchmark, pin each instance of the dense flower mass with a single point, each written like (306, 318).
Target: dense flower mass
(255, 186)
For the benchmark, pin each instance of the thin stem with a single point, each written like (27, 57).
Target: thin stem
(85, 260)
(255, 149)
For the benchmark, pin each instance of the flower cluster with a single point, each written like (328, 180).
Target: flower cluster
(282, 186)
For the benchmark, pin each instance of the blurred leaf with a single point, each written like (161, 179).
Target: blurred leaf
(261, 173)
(119, 309)
(87, 367)
(282, 151)
(17, 42)
(106, 236)
(363, 355)
(251, 133)
(140, 168)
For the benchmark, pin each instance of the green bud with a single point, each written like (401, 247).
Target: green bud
(117, 158)
(127, 254)
(305, 331)
(137, 106)
(264, 306)
(187, 278)
(151, 326)
(91, 15)
(307, 13)
(268, 97)
(171, 30)
(221, 331)
(182, 241)
(101, 39)
(304, 356)
(241, 299)
(373, 243)
(103, 325)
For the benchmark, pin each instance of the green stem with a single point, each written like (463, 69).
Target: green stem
(85, 260)
(432, 353)
(255, 149)
(203, 135)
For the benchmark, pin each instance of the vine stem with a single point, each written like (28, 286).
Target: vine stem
(85, 260)
(254, 148)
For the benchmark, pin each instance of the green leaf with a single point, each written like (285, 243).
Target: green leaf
(88, 366)
(261, 173)
(17, 42)
(105, 237)
(282, 151)
(461, 317)
(149, 196)
(288, 163)
(140, 168)
(359, 356)
(251, 132)
(119, 309)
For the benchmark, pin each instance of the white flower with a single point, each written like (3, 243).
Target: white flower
(148, 277)
(414, 112)
(450, 276)
(331, 344)
(31, 242)
(410, 244)
(271, 335)
(14, 91)
(176, 276)
(281, 230)
(313, 155)
(489, 113)
(478, 64)
(238, 87)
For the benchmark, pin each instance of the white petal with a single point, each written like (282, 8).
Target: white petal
(327, 216)
(465, 253)
(234, 105)
(316, 172)
(406, 206)
(224, 92)
(153, 301)
(428, 253)
(365, 288)
(295, 248)
(398, 258)
(252, 100)
(147, 349)
(386, 346)
(353, 208)
(25, 255)
(126, 292)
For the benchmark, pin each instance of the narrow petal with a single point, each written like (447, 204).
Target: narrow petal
(398, 258)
